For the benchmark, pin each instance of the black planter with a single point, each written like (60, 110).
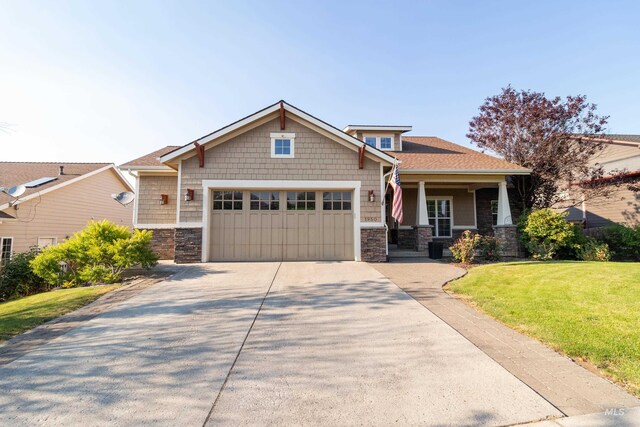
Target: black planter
(435, 250)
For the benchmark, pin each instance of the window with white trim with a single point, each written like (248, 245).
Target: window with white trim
(440, 216)
(384, 143)
(43, 242)
(6, 247)
(494, 212)
(282, 145)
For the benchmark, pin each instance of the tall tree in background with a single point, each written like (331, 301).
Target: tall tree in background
(552, 137)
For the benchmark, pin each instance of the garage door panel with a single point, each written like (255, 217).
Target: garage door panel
(282, 234)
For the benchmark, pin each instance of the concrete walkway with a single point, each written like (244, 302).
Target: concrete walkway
(331, 344)
(569, 387)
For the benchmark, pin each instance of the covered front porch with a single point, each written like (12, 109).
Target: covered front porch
(440, 207)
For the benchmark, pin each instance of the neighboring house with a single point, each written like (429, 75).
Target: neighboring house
(60, 199)
(620, 160)
(282, 184)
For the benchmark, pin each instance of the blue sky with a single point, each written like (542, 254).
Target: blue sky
(110, 81)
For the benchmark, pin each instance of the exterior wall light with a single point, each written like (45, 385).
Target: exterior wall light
(189, 195)
(372, 196)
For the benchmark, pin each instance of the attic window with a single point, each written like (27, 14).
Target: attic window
(384, 143)
(282, 145)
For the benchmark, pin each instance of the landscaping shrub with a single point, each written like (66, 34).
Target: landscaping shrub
(592, 250)
(97, 254)
(463, 249)
(547, 235)
(489, 248)
(18, 280)
(623, 241)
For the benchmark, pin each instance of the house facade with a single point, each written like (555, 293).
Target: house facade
(620, 160)
(59, 200)
(281, 184)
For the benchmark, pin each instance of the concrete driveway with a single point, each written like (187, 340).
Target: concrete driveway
(333, 343)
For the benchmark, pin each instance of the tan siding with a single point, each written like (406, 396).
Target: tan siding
(150, 210)
(409, 205)
(615, 152)
(62, 212)
(248, 157)
(623, 206)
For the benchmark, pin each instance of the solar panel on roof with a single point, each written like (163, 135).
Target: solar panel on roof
(40, 181)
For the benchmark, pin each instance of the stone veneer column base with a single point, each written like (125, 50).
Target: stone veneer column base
(507, 236)
(423, 234)
(406, 238)
(373, 244)
(163, 243)
(188, 245)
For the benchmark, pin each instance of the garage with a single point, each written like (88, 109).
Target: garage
(285, 224)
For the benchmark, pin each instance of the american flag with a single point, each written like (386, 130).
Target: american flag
(396, 209)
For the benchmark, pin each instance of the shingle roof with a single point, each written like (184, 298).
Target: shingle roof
(15, 173)
(4, 215)
(151, 159)
(621, 137)
(433, 153)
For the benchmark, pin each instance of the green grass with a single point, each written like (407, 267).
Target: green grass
(587, 310)
(26, 313)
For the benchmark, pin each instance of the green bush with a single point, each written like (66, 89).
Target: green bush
(97, 254)
(18, 280)
(623, 241)
(463, 249)
(592, 250)
(547, 235)
(489, 248)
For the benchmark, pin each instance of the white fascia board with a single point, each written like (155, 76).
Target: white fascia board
(401, 129)
(351, 139)
(124, 180)
(64, 184)
(467, 171)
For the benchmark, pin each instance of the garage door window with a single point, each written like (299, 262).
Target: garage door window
(301, 201)
(265, 201)
(227, 200)
(336, 201)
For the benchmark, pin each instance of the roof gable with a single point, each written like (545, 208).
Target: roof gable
(280, 107)
(16, 173)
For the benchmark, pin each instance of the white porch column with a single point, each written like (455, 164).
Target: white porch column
(504, 211)
(421, 207)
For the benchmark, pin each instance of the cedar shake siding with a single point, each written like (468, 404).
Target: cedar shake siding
(150, 208)
(66, 210)
(248, 157)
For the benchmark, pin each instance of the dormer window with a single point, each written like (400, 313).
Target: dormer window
(384, 143)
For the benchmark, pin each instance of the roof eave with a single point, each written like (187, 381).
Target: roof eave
(467, 171)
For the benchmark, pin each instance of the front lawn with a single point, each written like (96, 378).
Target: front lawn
(587, 310)
(28, 312)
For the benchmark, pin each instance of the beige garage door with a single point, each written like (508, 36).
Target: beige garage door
(281, 225)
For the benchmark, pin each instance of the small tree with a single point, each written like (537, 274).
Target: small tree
(555, 138)
(546, 233)
(99, 253)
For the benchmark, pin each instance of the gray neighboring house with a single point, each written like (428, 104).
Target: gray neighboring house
(281, 184)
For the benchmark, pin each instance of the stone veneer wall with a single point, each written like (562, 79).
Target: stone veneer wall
(406, 238)
(163, 243)
(188, 245)
(422, 236)
(507, 235)
(373, 244)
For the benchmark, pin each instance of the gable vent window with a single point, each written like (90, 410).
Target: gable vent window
(282, 145)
